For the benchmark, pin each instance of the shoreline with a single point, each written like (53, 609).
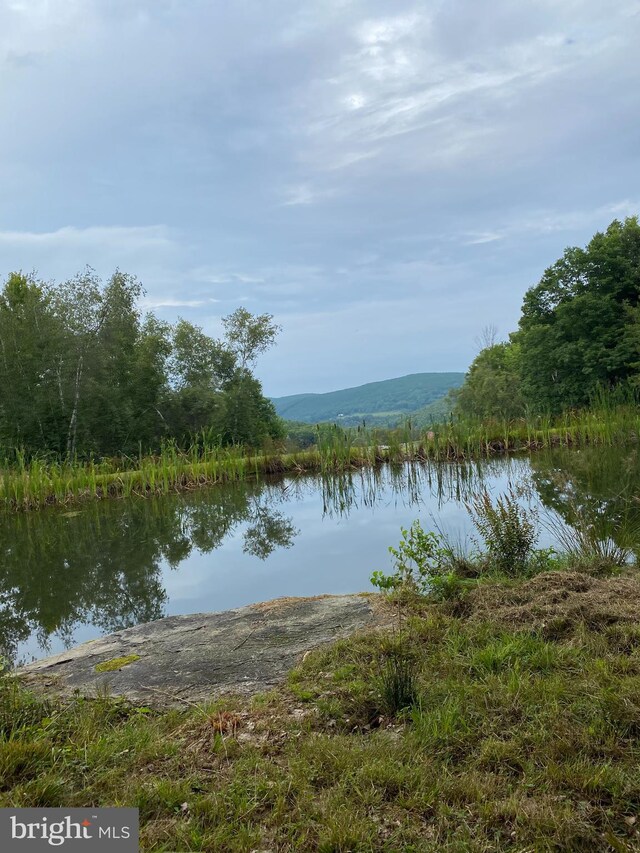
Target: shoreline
(521, 733)
(37, 485)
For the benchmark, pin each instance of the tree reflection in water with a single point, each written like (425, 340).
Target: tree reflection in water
(102, 562)
(597, 489)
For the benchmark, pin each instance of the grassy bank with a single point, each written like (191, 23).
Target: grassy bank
(31, 484)
(521, 733)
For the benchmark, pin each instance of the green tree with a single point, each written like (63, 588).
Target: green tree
(492, 385)
(199, 368)
(151, 381)
(111, 407)
(248, 335)
(82, 372)
(579, 325)
(31, 347)
(249, 417)
(78, 306)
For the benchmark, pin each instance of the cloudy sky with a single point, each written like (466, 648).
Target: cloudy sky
(386, 178)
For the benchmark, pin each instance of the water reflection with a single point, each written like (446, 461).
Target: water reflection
(596, 488)
(412, 484)
(110, 565)
(102, 563)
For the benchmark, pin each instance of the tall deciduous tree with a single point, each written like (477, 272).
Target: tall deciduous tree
(248, 335)
(249, 416)
(31, 344)
(578, 328)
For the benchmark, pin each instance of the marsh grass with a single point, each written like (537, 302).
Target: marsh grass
(518, 742)
(609, 544)
(33, 483)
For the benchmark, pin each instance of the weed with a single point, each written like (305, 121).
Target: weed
(398, 681)
(508, 530)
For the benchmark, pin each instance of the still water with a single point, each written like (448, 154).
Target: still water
(67, 576)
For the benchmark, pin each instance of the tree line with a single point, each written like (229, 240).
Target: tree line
(83, 372)
(578, 335)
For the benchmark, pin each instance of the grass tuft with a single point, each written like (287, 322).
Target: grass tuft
(399, 680)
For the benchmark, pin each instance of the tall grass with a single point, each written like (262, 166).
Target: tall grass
(32, 483)
(398, 681)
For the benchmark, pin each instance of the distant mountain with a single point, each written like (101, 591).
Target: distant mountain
(381, 403)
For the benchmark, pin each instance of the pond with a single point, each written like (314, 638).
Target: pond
(70, 575)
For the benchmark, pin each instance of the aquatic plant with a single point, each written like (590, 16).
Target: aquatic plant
(30, 483)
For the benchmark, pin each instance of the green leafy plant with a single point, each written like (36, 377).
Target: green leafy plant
(546, 560)
(446, 585)
(422, 564)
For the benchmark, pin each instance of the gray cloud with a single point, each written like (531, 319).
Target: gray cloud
(386, 178)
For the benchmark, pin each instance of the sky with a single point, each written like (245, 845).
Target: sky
(385, 178)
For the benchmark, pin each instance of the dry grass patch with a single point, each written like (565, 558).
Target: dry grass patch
(563, 601)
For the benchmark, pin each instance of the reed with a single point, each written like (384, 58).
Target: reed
(27, 484)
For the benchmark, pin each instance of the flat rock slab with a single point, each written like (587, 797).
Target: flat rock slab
(201, 656)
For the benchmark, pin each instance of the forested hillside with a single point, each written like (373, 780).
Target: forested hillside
(377, 402)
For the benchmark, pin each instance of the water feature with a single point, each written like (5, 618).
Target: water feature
(69, 575)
